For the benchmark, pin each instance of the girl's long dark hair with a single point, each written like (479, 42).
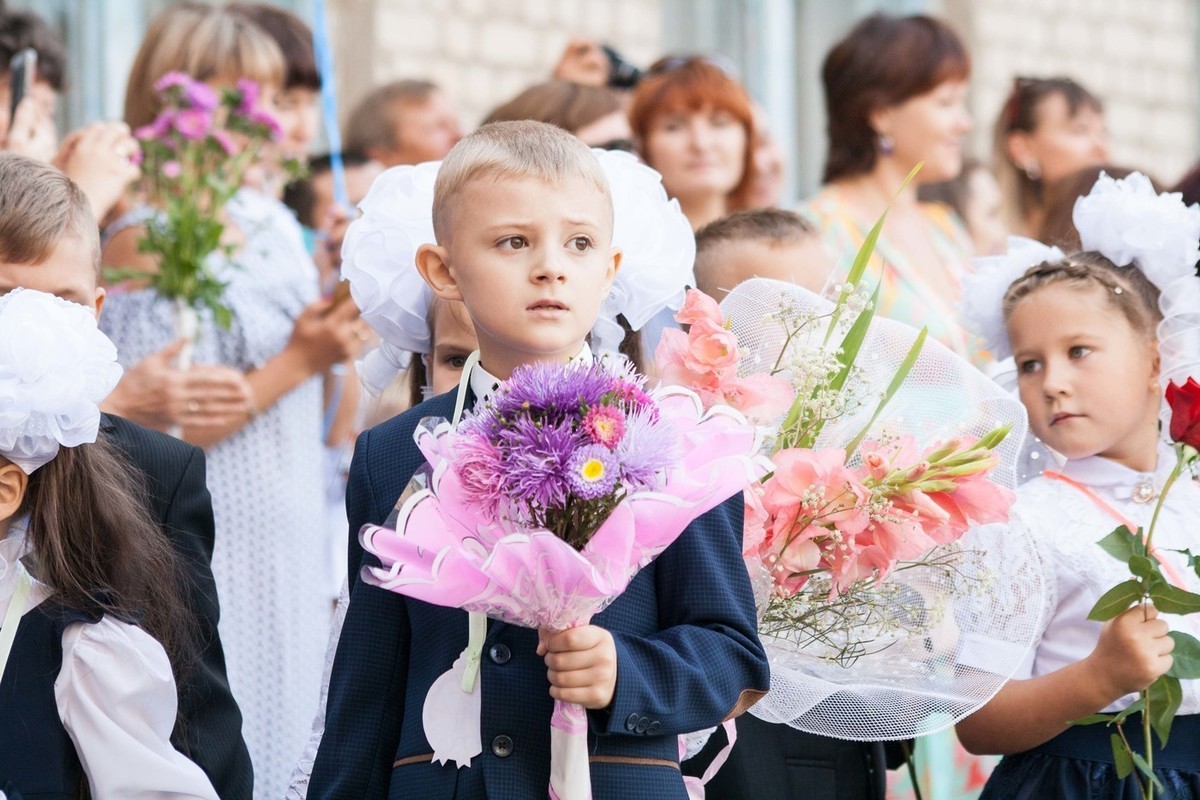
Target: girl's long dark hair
(95, 544)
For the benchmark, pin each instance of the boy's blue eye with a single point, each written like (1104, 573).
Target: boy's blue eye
(1029, 367)
(1079, 351)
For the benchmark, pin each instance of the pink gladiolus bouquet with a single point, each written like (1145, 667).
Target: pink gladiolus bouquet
(194, 156)
(542, 507)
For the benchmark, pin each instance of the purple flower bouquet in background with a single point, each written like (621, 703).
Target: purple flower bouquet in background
(194, 157)
(540, 510)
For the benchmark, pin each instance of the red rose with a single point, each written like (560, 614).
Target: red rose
(1185, 412)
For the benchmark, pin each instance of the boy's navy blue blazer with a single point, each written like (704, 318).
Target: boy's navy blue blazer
(688, 656)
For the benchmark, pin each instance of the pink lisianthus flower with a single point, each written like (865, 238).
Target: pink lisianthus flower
(193, 125)
(699, 306)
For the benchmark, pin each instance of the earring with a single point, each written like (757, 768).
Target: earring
(887, 145)
(1032, 171)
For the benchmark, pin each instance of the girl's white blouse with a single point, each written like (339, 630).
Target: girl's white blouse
(1067, 525)
(116, 698)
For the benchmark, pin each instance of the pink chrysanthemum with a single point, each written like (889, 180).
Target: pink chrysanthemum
(605, 425)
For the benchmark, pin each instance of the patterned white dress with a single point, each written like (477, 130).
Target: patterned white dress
(266, 481)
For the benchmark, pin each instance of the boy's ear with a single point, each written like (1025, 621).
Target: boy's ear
(434, 265)
(13, 482)
(614, 266)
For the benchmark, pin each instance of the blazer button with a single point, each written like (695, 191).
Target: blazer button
(653, 728)
(642, 725)
(500, 654)
(502, 746)
(632, 722)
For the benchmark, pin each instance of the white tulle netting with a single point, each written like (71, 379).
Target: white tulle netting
(931, 643)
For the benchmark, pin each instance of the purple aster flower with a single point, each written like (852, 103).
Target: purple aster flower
(477, 464)
(201, 96)
(193, 125)
(173, 80)
(552, 392)
(534, 458)
(604, 425)
(592, 472)
(650, 446)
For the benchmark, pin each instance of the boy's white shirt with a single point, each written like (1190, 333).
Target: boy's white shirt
(1067, 525)
(117, 699)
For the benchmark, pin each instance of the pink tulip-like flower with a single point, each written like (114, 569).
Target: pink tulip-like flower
(677, 368)
(761, 398)
(699, 306)
(711, 348)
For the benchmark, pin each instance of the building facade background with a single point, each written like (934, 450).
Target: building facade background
(1140, 56)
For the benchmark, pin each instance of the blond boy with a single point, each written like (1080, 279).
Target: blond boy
(523, 220)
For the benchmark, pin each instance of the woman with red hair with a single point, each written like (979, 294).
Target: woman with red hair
(695, 125)
(895, 96)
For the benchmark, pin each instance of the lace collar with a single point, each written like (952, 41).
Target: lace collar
(1122, 482)
(484, 384)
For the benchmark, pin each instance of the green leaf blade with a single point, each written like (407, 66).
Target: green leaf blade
(1116, 601)
(1165, 695)
(1122, 758)
(1186, 655)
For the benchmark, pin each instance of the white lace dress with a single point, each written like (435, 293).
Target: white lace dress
(267, 486)
(1068, 524)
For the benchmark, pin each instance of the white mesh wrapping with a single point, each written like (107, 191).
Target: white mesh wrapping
(938, 643)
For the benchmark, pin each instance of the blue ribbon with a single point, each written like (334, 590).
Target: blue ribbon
(324, 55)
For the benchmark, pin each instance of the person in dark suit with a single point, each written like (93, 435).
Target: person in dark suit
(676, 652)
(48, 242)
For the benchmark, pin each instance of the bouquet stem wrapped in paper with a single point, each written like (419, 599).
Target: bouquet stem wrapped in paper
(542, 507)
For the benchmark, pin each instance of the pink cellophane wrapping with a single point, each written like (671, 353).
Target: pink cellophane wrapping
(445, 551)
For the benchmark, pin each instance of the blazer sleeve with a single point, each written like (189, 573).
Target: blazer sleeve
(365, 704)
(212, 730)
(706, 663)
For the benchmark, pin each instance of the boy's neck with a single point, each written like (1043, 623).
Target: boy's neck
(502, 369)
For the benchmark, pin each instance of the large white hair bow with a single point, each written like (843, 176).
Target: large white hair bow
(55, 369)
(656, 241)
(987, 283)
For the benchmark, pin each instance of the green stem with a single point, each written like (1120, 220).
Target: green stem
(1175, 473)
(1146, 730)
(912, 768)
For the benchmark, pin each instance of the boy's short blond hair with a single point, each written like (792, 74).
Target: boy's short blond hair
(39, 207)
(511, 151)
